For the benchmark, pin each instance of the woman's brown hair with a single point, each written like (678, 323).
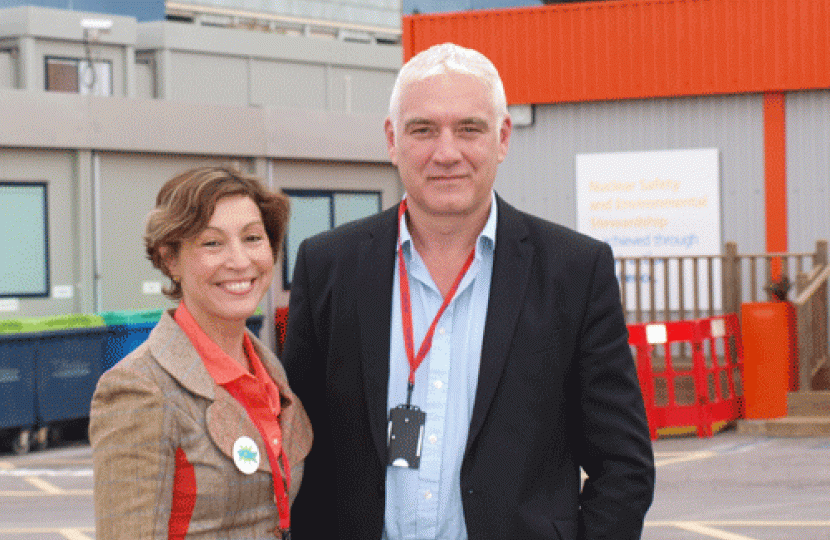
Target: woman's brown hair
(186, 202)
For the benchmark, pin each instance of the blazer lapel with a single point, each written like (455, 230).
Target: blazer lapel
(511, 269)
(376, 266)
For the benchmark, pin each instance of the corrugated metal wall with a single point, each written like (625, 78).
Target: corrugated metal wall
(644, 48)
(808, 168)
(539, 173)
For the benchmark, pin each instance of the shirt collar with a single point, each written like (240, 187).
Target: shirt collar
(486, 237)
(221, 367)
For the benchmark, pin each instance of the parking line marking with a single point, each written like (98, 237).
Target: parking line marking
(681, 457)
(742, 523)
(48, 530)
(63, 493)
(73, 534)
(710, 531)
(46, 472)
(44, 486)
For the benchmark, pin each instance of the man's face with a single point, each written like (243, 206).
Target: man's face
(448, 144)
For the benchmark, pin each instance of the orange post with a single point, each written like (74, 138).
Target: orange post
(767, 329)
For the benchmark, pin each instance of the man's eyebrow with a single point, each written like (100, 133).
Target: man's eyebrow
(475, 120)
(417, 122)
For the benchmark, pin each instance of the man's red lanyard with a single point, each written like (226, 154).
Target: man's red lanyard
(406, 309)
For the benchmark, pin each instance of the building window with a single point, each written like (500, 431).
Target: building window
(79, 76)
(313, 212)
(24, 266)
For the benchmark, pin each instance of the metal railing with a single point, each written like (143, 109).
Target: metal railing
(289, 24)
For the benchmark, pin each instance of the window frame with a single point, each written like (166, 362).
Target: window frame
(77, 63)
(45, 293)
(320, 193)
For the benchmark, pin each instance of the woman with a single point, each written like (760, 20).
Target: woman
(196, 434)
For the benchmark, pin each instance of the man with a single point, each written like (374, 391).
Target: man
(462, 400)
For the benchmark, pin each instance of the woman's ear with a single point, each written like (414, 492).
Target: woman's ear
(170, 260)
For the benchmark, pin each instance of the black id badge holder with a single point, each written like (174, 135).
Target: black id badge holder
(406, 436)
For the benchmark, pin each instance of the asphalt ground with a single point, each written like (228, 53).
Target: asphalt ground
(728, 487)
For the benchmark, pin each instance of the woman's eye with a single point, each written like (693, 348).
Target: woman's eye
(210, 243)
(253, 238)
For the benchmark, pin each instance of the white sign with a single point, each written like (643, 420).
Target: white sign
(9, 304)
(151, 287)
(62, 291)
(663, 203)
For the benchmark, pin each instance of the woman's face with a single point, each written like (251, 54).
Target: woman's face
(225, 269)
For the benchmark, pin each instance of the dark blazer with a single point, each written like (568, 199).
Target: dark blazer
(557, 388)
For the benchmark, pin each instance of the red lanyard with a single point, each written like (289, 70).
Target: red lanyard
(281, 481)
(406, 309)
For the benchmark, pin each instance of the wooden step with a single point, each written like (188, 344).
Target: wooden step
(788, 426)
(816, 403)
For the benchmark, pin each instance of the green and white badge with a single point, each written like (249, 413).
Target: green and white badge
(246, 455)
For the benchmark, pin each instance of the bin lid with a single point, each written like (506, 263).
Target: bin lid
(64, 322)
(132, 316)
(11, 326)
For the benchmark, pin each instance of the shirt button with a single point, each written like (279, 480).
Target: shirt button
(433, 439)
(438, 384)
(428, 495)
(441, 331)
(276, 440)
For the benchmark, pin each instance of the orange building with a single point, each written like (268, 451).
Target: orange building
(733, 74)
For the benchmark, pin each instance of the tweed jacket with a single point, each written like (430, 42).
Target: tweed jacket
(159, 406)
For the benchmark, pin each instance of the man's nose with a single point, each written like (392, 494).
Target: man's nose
(446, 150)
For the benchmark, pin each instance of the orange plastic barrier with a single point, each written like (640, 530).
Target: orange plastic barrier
(769, 345)
(689, 372)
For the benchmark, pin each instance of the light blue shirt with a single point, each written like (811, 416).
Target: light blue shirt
(425, 503)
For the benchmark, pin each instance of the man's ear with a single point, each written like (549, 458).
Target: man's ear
(391, 147)
(505, 131)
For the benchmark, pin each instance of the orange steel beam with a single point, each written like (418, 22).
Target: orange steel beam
(775, 176)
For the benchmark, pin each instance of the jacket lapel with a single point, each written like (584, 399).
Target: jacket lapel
(226, 419)
(511, 269)
(376, 266)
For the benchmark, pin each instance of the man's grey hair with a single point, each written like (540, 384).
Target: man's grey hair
(448, 58)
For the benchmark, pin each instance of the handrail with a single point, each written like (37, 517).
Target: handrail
(198, 9)
(815, 283)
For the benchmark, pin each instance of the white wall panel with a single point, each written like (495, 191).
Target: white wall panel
(539, 173)
(808, 168)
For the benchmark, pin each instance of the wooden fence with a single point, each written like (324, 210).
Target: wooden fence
(692, 287)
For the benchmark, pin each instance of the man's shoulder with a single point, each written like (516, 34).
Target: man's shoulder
(545, 232)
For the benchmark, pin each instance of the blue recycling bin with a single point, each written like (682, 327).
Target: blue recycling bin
(254, 323)
(17, 376)
(128, 330)
(70, 349)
